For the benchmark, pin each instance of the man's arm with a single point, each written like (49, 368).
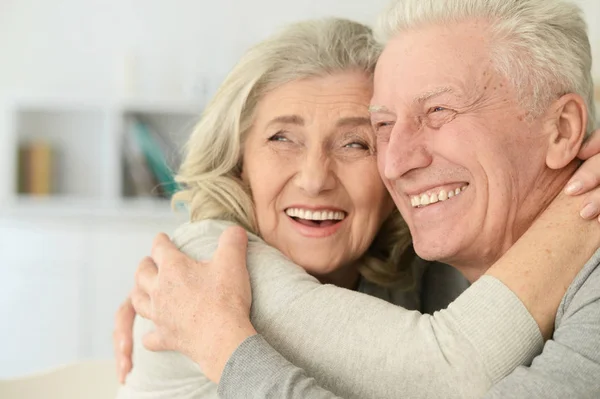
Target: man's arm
(569, 366)
(278, 378)
(359, 346)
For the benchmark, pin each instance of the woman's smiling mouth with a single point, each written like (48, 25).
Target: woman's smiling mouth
(321, 218)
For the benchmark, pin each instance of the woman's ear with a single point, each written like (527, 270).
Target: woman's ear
(568, 125)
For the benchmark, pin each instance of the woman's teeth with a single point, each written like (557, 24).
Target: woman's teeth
(419, 201)
(315, 215)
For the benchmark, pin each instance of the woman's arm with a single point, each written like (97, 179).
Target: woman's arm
(450, 358)
(358, 346)
(165, 374)
(241, 348)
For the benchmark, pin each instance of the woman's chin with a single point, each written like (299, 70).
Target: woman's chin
(316, 267)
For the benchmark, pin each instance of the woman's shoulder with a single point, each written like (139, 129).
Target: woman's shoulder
(206, 229)
(199, 239)
(211, 227)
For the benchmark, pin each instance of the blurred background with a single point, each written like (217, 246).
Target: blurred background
(96, 98)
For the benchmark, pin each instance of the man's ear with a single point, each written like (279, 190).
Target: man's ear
(567, 124)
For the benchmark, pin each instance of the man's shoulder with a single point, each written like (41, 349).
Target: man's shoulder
(584, 290)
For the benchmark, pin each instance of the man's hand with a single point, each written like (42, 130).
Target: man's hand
(587, 177)
(123, 339)
(201, 309)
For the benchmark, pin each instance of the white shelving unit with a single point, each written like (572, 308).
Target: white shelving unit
(86, 136)
(68, 259)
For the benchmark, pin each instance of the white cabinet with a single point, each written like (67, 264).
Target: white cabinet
(67, 259)
(41, 295)
(61, 281)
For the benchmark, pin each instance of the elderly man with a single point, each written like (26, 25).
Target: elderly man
(493, 98)
(497, 103)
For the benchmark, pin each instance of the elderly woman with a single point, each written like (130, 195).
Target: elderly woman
(285, 149)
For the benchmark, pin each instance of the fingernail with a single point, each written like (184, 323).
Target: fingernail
(123, 373)
(589, 211)
(574, 187)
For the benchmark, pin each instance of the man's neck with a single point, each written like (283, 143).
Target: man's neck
(544, 191)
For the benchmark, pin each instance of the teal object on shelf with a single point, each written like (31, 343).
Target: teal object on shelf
(155, 158)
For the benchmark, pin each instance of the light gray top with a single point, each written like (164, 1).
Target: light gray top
(352, 344)
(569, 366)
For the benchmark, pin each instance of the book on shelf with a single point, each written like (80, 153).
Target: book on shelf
(145, 152)
(36, 168)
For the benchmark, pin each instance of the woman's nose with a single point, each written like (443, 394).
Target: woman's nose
(315, 174)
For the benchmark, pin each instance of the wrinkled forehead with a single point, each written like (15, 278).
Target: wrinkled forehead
(334, 96)
(421, 63)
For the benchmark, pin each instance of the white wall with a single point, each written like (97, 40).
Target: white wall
(60, 284)
(79, 46)
(61, 280)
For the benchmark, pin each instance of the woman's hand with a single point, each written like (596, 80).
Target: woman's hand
(587, 177)
(201, 309)
(123, 339)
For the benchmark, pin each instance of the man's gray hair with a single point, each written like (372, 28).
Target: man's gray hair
(541, 46)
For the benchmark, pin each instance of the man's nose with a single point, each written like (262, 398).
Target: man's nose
(315, 174)
(405, 151)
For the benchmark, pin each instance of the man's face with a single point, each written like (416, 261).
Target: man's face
(455, 149)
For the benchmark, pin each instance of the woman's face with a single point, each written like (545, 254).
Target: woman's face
(310, 163)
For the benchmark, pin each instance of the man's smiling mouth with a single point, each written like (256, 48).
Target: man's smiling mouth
(433, 197)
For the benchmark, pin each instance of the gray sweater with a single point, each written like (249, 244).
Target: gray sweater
(568, 367)
(350, 343)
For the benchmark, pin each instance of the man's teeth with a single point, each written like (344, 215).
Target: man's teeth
(314, 215)
(428, 199)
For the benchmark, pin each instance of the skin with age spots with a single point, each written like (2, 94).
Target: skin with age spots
(311, 147)
(459, 125)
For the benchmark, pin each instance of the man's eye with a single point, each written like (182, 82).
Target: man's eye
(438, 116)
(382, 125)
(358, 145)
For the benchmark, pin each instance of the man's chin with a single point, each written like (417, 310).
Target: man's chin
(433, 251)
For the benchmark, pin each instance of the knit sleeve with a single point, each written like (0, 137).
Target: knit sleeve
(358, 346)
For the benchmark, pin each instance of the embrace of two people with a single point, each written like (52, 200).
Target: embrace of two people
(407, 213)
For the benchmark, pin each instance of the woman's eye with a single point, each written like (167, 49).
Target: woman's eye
(278, 137)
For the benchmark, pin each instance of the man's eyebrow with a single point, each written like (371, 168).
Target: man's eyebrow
(287, 119)
(379, 108)
(428, 95)
(353, 121)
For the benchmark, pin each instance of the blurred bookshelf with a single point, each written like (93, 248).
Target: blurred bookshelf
(92, 157)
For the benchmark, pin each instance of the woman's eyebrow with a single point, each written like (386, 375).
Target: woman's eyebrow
(287, 119)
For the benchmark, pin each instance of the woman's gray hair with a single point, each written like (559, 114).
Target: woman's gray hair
(541, 46)
(210, 174)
